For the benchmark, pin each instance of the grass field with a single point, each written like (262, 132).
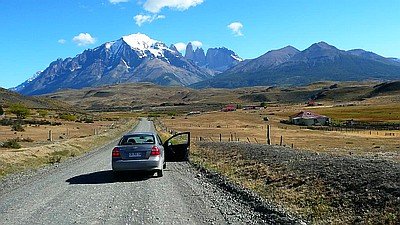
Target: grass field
(311, 198)
(249, 126)
(69, 140)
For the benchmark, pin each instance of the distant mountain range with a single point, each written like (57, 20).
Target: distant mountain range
(216, 59)
(132, 58)
(138, 58)
(321, 61)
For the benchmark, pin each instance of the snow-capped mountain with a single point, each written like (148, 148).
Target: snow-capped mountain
(319, 62)
(23, 85)
(216, 59)
(132, 58)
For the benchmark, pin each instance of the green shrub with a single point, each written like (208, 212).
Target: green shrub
(17, 127)
(1, 110)
(11, 143)
(172, 113)
(68, 117)
(88, 120)
(43, 113)
(20, 110)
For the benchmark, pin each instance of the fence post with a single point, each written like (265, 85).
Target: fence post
(50, 135)
(248, 139)
(268, 135)
(220, 137)
(292, 145)
(281, 142)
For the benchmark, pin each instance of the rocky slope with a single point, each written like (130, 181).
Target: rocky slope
(319, 62)
(217, 59)
(132, 58)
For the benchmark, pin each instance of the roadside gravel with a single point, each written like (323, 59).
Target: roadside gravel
(83, 191)
(364, 189)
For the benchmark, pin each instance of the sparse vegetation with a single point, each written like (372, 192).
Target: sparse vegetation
(68, 117)
(17, 127)
(1, 110)
(11, 143)
(20, 110)
(43, 113)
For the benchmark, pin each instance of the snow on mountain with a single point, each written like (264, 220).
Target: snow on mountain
(23, 85)
(132, 58)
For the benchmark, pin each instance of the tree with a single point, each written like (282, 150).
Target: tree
(1, 110)
(20, 110)
(43, 113)
(263, 104)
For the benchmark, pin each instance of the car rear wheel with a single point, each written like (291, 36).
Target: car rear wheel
(159, 173)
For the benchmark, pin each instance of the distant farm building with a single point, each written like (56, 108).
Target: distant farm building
(307, 118)
(229, 108)
(253, 107)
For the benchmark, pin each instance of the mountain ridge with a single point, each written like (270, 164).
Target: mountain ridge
(132, 58)
(318, 62)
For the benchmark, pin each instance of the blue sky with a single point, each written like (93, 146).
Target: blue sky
(37, 32)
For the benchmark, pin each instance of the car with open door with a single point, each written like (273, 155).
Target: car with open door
(144, 151)
(139, 151)
(177, 147)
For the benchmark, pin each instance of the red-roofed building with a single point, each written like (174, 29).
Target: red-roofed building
(308, 118)
(229, 108)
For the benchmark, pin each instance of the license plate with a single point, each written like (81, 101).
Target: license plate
(135, 154)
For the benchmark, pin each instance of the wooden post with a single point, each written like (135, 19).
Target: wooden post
(268, 135)
(248, 139)
(231, 137)
(256, 140)
(281, 142)
(292, 145)
(50, 135)
(220, 137)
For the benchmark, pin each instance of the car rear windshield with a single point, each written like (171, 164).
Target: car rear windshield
(137, 139)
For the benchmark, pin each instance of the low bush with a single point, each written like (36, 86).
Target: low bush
(17, 127)
(68, 117)
(11, 143)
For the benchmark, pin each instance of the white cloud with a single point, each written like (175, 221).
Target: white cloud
(141, 19)
(62, 41)
(84, 39)
(180, 46)
(236, 28)
(196, 44)
(155, 6)
(117, 1)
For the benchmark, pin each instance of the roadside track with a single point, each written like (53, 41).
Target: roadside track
(83, 191)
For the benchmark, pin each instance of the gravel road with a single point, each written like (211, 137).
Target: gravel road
(83, 191)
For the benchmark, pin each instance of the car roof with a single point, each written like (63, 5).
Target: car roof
(138, 133)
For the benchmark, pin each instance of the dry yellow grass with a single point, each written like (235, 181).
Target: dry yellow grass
(249, 126)
(14, 160)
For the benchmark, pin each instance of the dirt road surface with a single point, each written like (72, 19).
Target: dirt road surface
(83, 191)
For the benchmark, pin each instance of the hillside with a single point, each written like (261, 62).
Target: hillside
(9, 97)
(319, 62)
(138, 96)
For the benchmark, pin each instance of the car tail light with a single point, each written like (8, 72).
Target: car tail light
(115, 152)
(155, 151)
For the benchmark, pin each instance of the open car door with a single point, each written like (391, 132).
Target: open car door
(176, 148)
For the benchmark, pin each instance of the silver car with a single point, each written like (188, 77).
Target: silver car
(144, 151)
(139, 151)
